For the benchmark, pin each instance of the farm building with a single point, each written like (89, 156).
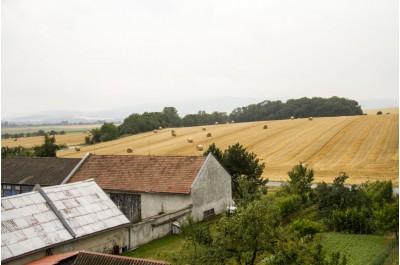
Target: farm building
(158, 190)
(21, 174)
(60, 219)
(88, 257)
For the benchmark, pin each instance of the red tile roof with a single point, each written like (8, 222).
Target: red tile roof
(92, 258)
(161, 174)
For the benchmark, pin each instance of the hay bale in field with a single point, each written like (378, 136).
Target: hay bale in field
(15, 139)
(189, 140)
(310, 118)
(173, 133)
(77, 148)
(208, 134)
(160, 128)
(232, 121)
(129, 150)
(265, 126)
(227, 122)
(203, 128)
(155, 131)
(292, 118)
(199, 147)
(216, 123)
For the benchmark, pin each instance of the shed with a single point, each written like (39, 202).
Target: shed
(58, 219)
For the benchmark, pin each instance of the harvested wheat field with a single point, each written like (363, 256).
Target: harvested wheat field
(67, 139)
(365, 147)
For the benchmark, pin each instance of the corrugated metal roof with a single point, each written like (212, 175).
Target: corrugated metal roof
(86, 207)
(92, 258)
(28, 222)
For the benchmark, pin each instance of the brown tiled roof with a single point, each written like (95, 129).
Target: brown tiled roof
(169, 174)
(92, 258)
(36, 170)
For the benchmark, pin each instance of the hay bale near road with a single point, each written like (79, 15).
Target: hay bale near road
(129, 150)
(199, 147)
(77, 148)
(208, 134)
(189, 140)
(265, 126)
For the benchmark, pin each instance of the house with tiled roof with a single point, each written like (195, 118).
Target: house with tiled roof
(21, 174)
(88, 257)
(155, 191)
(147, 186)
(59, 219)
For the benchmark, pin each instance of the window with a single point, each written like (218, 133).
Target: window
(209, 214)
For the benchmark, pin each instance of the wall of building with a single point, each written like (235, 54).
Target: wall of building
(156, 227)
(154, 204)
(101, 243)
(212, 189)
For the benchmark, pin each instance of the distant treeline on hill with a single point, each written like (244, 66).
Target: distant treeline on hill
(32, 134)
(266, 110)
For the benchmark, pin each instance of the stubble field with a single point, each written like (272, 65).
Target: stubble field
(365, 147)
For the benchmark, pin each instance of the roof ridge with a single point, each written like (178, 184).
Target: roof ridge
(148, 156)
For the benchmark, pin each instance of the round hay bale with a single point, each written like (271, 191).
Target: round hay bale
(265, 126)
(310, 118)
(208, 134)
(292, 118)
(160, 128)
(199, 147)
(155, 131)
(203, 128)
(77, 148)
(216, 123)
(173, 133)
(129, 150)
(189, 140)
(232, 121)
(227, 122)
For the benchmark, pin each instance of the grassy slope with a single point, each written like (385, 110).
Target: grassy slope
(365, 147)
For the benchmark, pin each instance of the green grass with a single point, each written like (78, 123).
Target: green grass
(393, 257)
(165, 248)
(169, 247)
(360, 249)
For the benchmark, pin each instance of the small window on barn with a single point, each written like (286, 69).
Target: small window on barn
(209, 214)
(49, 252)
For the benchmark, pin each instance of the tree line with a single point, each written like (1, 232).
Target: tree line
(31, 134)
(266, 110)
(47, 149)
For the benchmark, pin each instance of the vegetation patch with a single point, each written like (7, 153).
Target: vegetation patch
(359, 249)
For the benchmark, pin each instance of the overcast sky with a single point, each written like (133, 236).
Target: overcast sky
(96, 55)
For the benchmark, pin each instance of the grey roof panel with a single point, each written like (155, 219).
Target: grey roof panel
(28, 222)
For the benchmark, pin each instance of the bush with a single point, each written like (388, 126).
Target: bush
(290, 204)
(305, 227)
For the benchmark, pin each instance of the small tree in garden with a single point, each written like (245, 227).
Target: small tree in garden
(300, 181)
